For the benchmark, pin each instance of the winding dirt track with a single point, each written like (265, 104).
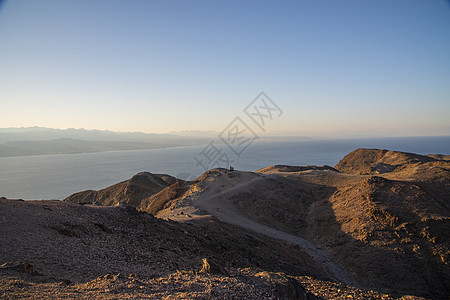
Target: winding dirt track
(212, 201)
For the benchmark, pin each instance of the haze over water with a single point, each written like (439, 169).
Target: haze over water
(58, 176)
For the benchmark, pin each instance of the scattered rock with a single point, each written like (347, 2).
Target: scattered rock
(292, 290)
(212, 268)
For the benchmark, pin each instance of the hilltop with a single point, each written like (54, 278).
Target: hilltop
(130, 192)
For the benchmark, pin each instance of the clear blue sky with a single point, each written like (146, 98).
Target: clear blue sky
(377, 67)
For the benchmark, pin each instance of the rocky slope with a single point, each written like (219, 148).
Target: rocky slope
(390, 235)
(389, 231)
(130, 192)
(376, 161)
(378, 220)
(69, 251)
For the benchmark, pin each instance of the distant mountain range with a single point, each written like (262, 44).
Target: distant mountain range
(39, 141)
(35, 140)
(27, 141)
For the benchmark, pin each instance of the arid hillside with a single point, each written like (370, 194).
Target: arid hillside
(408, 166)
(55, 249)
(378, 221)
(382, 215)
(130, 192)
(390, 231)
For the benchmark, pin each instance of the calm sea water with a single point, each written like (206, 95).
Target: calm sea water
(58, 176)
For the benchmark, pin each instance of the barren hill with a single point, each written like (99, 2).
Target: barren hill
(379, 220)
(375, 161)
(398, 166)
(390, 235)
(55, 249)
(130, 192)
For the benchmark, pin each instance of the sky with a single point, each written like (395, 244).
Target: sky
(357, 67)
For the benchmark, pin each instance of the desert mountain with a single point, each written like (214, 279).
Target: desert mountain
(389, 232)
(378, 221)
(390, 235)
(376, 161)
(130, 192)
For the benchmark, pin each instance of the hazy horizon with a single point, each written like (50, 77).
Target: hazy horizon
(213, 133)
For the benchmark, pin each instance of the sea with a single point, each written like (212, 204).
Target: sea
(58, 176)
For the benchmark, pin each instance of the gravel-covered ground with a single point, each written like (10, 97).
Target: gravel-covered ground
(53, 249)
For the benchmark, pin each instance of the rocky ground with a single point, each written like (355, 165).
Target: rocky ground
(240, 284)
(376, 226)
(64, 250)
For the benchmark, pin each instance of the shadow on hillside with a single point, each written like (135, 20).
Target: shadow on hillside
(371, 261)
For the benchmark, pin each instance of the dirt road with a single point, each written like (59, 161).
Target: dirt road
(213, 201)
